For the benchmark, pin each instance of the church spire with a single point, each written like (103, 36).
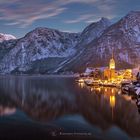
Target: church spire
(112, 61)
(112, 53)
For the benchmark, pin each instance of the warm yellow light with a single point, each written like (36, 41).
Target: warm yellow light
(112, 64)
(81, 80)
(81, 84)
(112, 90)
(98, 89)
(112, 101)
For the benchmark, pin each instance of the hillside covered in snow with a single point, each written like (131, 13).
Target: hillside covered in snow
(39, 51)
(4, 37)
(121, 38)
(45, 50)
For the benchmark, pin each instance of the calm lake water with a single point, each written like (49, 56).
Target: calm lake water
(39, 107)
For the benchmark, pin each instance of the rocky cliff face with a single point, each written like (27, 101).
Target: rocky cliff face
(93, 31)
(46, 50)
(121, 38)
(89, 34)
(39, 51)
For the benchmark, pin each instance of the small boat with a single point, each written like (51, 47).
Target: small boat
(109, 84)
(96, 82)
(80, 80)
(92, 82)
(89, 82)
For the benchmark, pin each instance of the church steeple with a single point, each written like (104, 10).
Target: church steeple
(112, 61)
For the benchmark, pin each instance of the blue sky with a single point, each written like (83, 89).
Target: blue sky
(18, 17)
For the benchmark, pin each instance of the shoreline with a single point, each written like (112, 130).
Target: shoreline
(40, 75)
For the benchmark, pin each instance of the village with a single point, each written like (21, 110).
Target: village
(127, 80)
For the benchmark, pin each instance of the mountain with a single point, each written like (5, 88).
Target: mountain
(121, 38)
(4, 37)
(93, 31)
(39, 51)
(45, 50)
(90, 33)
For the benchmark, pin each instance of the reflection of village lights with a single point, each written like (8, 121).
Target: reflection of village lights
(6, 110)
(98, 89)
(112, 101)
(81, 80)
(91, 89)
(119, 92)
(81, 85)
(126, 97)
(112, 90)
(112, 104)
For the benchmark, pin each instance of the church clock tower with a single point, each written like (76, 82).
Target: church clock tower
(112, 63)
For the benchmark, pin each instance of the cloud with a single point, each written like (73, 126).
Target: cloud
(25, 12)
(41, 16)
(110, 17)
(81, 18)
(92, 20)
(64, 2)
(104, 8)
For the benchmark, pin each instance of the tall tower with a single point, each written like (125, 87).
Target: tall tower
(112, 62)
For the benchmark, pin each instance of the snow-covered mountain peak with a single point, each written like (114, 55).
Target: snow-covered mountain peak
(129, 26)
(93, 31)
(41, 44)
(46, 50)
(104, 20)
(131, 18)
(133, 13)
(123, 37)
(50, 34)
(4, 37)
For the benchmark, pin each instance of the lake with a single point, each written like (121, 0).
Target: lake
(38, 107)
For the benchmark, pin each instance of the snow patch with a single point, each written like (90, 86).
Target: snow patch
(6, 37)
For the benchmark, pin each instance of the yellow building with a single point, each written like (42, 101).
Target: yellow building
(110, 73)
(127, 74)
(112, 63)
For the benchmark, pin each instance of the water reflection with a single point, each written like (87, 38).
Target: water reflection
(6, 110)
(112, 104)
(47, 99)
(108, 94)
(112, 101)
(81, 84)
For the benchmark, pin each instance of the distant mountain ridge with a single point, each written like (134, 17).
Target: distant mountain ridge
(123, 37)
(41, 45)
(4, 37)
(46, 50)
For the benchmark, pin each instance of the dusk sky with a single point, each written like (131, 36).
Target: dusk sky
(18, 17)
